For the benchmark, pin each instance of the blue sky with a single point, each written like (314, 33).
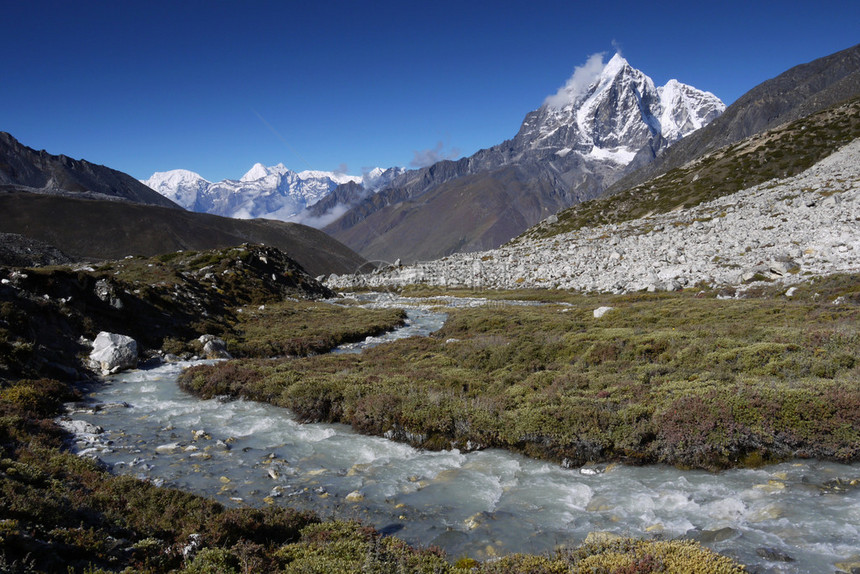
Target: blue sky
(215, 86)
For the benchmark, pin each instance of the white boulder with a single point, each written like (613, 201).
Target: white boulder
(113, 353)
(213, 347)
(601, 311)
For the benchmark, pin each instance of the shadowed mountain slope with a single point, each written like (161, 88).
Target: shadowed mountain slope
(474, 213)
(98, 229)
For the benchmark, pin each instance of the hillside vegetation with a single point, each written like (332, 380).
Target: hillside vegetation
(778, 153)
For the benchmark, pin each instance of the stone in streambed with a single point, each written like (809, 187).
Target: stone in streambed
(113, 352)
(354, 496)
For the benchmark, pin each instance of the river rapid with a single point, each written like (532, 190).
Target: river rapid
(793, 517)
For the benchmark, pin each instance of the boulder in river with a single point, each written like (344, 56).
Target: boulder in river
(113, 353)
(214, 348)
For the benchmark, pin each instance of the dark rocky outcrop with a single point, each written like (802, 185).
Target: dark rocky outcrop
(19, 251)
(48, 316)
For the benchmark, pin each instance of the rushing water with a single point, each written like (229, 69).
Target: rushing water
(479, 504)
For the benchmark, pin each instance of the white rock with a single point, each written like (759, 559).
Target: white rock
(354, 496)
(113, 353)
(215, 348)
(79, 427)
(601, 311)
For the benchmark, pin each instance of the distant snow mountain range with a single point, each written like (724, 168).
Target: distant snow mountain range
(274, 192)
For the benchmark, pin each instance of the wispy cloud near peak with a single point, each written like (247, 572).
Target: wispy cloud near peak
(576, 85)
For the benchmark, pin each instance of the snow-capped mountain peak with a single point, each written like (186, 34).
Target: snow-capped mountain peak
(178, 185)
(259, 171)
(172, 178)
(686, 109)
(611, 111)
(616, 65)
(339, 178)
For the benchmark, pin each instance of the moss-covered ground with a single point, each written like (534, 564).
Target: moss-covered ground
(301, 328)
(691, 379)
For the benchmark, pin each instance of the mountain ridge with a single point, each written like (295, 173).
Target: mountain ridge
(561, 157)
(26, 168)
(90, 229)
(274, 192)
(784, 231)
(94, 212)
(798, 92)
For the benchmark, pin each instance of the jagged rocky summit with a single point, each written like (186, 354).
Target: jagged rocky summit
(620, 113)
(782, 230)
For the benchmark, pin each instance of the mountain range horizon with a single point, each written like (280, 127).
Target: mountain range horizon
(604, 140)
(606, 124)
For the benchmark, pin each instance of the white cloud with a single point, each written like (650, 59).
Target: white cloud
(576, 85)
(427, 157)
(330, 216)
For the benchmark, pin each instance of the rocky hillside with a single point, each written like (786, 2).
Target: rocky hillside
(22, 167)
(794, 94)
(19, 251)
(780, 152)
(44, 313)
(781, 230)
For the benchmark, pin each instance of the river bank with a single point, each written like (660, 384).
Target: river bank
(60, 510)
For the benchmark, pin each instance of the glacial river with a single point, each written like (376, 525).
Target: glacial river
(782, 518)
